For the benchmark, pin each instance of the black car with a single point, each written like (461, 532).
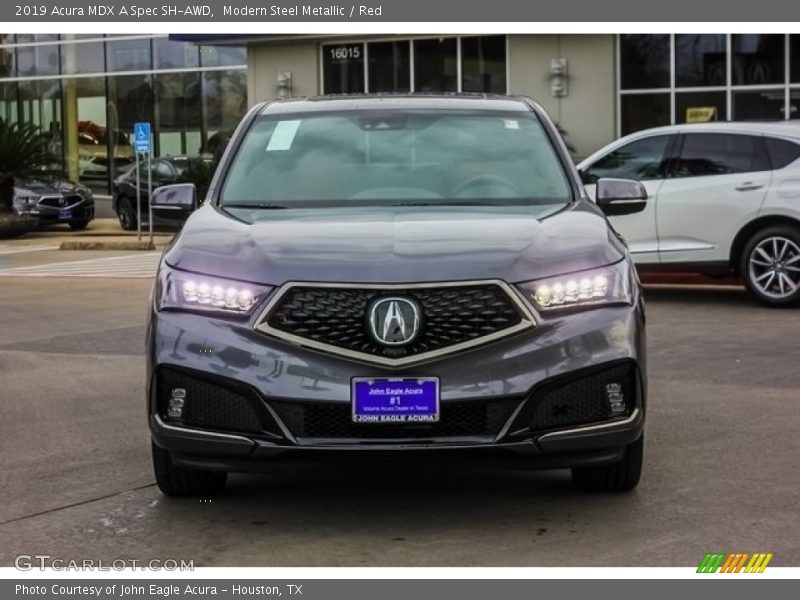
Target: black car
(397, 275)
(54, 201)
(163, 171)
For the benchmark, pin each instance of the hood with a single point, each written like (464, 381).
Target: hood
(42, 187)
(395, 244)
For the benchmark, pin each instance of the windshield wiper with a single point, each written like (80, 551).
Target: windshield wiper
(259, 205)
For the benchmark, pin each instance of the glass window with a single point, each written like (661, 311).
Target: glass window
(718, 154)
(343, 68)
(222, 56)
(28, 38)
(700, 60)
(128, 55)
(794, 57)
(483, 64)
(40, 104)
(130, 99)
(225, 102)
(37, 60)
(8, 102)
(178, 113)
(7, 62)
(435, 67)
(782, 152)
(700, 107)
(757, 59)
(374, 157)
(794, 104)
(82, 57)
(641, 160)
(389, 67)
(644, 61)
(85, 132)
(759, 105)
(163, 171)
(640, 111)
(168, 54)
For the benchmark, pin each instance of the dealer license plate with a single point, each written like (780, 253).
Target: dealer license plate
(395, 400)
(65, 214)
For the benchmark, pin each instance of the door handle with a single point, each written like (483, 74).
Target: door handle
(748, 186)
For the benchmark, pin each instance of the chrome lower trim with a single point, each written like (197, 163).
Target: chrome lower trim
(199, 432)
(527, 320)
(592, 428)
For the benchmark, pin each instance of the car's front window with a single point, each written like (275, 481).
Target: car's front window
(396, 157)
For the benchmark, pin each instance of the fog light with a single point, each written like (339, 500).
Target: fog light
(615, 397)
(176, 400)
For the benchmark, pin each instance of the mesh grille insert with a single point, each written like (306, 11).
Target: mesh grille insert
(584, 400)
(449, 316)
(207, 405)
(457, 419)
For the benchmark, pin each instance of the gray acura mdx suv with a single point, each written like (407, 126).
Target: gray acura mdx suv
(410, 275)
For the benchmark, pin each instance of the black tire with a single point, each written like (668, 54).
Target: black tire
(78, 225)
(622, 476)
(749, 276)
(175, 481)
(126, 214)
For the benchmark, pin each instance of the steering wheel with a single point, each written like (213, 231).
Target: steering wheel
(499, 187)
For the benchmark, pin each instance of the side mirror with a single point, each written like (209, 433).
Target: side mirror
(617, 197)
(175, 202)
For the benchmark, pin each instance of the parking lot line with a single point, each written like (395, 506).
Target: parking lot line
(139, 265)
(24, 249)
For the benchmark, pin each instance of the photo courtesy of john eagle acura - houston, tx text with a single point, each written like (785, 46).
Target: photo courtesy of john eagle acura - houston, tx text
(404, 275)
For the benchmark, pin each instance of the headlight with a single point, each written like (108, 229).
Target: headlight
(607, 285)
(178, 290)
(23, 203)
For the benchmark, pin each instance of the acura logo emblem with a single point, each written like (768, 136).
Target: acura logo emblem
(62, 201)
(394, 321)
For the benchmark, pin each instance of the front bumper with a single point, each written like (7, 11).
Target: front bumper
(78, 212)
(289, 390)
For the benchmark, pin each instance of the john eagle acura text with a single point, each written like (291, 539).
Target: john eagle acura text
(413, 274)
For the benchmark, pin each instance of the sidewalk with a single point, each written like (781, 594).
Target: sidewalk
(101, 234)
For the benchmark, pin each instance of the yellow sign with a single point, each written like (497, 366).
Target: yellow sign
(701, 114)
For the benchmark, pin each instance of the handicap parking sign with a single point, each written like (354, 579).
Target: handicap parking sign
(141, 137)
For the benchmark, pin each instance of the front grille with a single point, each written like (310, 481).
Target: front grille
(584, 400)
(457, 419)
(207, 405)
(450, 315)
(55, 201)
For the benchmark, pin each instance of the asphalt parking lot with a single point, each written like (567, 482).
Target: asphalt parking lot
(75, 478)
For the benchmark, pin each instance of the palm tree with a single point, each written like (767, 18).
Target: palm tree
(23, 153)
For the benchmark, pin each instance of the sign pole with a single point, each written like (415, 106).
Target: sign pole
(138, 202)
(150, 191)
(141, 145)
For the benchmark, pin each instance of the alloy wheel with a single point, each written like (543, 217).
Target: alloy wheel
(774, 266)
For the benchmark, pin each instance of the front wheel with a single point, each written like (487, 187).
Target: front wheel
(78, 225)
(621, 476)
(175, 481)
(770, 266)
(126, 214)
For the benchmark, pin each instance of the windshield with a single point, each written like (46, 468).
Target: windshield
(399, 157)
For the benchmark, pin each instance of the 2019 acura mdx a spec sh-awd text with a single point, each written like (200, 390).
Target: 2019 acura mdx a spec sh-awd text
(409, 275)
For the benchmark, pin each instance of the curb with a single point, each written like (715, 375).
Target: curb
(132, 245)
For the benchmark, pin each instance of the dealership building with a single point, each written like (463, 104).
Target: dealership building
(88, 91)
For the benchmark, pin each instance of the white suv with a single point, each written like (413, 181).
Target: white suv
(723, 198)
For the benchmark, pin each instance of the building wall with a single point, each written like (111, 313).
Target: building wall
(266, 62)
(588, 112)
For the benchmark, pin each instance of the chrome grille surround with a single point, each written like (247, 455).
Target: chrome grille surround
(526, 319)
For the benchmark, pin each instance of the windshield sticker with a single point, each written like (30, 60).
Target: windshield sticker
(283, 136)
(511, 123)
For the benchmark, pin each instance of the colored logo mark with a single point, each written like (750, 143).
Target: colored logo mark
(739, 562)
